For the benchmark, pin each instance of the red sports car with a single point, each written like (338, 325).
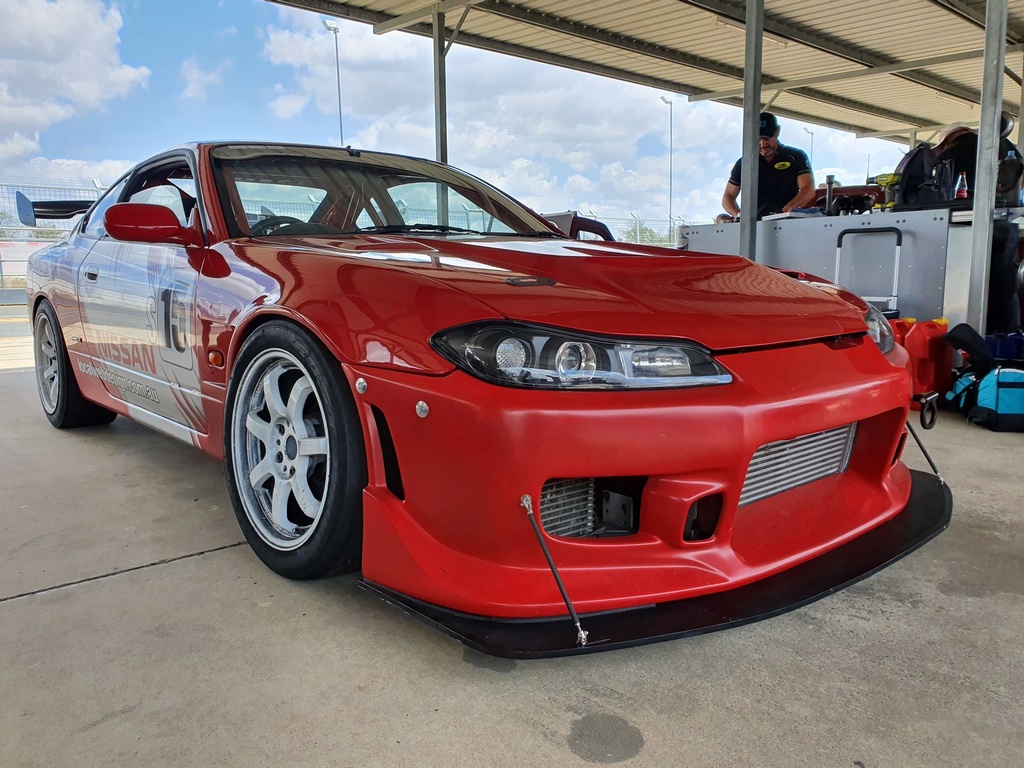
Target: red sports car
(540, 445)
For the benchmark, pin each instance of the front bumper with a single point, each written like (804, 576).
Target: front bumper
(446, 526)
(926, 515)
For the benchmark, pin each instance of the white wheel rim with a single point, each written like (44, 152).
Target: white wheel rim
(280, 449)
(47, 365)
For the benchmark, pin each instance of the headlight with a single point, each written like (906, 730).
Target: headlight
(548, 358)
(879, 329)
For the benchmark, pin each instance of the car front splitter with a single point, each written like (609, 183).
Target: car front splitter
(926, 515)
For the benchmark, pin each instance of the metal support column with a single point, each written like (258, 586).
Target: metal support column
(751, 110)
(440, 91)
(1020, 112)
(985, 179)
(440, 111)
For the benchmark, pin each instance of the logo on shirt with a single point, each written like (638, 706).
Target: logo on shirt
(782, 166)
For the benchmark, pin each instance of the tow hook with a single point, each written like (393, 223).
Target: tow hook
(929, 402)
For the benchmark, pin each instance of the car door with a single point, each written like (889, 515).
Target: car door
(139, 303)
(63, 288)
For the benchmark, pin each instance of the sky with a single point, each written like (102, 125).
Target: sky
(88, 88)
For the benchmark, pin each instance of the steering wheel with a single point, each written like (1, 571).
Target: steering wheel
(269, 224)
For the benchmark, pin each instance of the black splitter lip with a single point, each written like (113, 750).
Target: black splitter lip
(926, 515)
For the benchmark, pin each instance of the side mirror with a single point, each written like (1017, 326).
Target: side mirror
(146, 223)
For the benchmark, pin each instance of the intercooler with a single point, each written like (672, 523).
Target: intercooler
(780, 466)
(568, 507)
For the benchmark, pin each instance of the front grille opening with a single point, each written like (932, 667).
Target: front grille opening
(590, 507)
(392, 474)
(702, 519)
(899, 449)
(781, 466)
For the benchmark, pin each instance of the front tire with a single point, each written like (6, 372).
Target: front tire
(59, 394)
(294, 455)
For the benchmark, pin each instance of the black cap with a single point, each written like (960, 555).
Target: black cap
(769, 125)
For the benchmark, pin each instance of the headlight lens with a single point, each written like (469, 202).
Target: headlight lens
(547, 358)
(879, 329)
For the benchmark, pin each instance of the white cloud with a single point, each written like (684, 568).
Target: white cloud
(17, 145)
(197, 80)
(285, 106)
(40, 168)
(59, 59)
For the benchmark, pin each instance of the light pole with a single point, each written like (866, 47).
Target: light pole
(332, 26)
(670, 110)
(811, 133)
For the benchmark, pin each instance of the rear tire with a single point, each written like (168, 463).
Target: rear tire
(294, 457)
(59, 394)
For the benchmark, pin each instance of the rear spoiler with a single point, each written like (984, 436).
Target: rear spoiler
(29, 211)
(571, 224)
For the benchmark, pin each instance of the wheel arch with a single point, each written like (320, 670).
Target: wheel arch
(263, 315)
(37, 302)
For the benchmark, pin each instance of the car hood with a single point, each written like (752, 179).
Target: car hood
(618, 289)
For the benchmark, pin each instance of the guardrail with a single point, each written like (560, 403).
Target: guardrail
(14, 253)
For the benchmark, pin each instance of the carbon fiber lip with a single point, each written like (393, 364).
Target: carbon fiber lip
(927, 514)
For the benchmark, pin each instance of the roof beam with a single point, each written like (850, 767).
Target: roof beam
(421, 14)
(342, 10)
(593, 34)
(835, 46)
(904, 130)
(352, 13)
(632, 45)
(887, 69)
(977, 18)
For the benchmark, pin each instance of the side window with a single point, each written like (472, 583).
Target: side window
(169, 184)
(94, 226)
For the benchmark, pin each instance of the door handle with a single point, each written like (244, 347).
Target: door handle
(92, 273)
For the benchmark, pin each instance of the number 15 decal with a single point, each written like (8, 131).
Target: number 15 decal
(175, 323)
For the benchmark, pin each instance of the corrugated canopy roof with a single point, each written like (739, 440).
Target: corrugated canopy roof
(874, 67)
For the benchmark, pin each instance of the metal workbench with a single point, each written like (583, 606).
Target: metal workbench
(934, 273)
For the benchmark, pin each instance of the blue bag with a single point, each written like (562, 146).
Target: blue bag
(1000, 400)
(1006, 346)
(964, 394)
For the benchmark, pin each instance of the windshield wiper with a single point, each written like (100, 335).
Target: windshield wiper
(393, 228)
(534, 234)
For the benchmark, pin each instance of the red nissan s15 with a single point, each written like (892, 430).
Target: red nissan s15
(540, 445)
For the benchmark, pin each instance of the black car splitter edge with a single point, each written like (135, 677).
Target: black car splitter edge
(926, 515)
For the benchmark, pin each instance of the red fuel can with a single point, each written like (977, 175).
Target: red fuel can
(931, 357)
(900, 328)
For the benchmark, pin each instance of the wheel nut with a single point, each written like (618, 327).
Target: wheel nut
(361, 386)
(422, 409)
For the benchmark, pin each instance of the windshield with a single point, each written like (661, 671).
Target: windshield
(273, 191)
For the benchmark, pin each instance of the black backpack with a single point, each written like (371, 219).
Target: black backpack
(925, 180)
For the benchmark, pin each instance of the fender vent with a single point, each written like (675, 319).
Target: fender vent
(781, 466)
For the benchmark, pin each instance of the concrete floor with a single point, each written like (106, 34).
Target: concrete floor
(136, 630)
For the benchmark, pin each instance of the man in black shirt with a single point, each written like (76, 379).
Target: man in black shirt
(784, 179)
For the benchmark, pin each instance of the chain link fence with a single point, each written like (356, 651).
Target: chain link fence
(17, 241)
(648, 231)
